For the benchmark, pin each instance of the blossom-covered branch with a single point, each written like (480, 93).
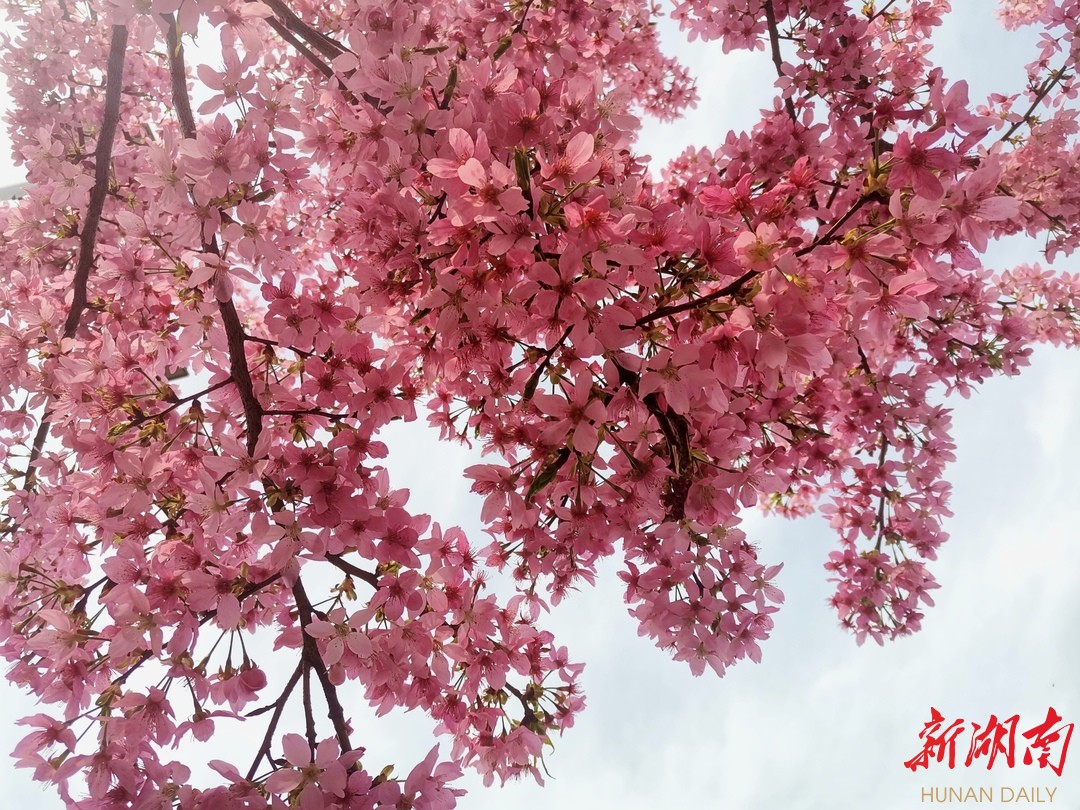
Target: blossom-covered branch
(374, 213)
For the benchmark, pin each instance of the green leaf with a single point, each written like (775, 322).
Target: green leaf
(504, 46)
(533, 381)
(547, 474)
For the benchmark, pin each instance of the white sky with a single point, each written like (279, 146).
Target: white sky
(820, 722)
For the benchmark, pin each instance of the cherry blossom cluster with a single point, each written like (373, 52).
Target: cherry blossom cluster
(225, 280)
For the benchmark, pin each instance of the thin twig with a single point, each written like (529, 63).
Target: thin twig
(329, 48)
(836, 226)
(248, 590)
(309, 712)
(881, 11)
(884, 493)
(278, 706)
(138, 420)
(275, 345)
(293, 29)
(254, 412)
(35, 451)
(297, 412)
(1048, 85)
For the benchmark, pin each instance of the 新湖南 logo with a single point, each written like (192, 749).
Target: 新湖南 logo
(1045, 743)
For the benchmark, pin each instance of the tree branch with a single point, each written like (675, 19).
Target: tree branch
(303, 49)
(356, 571)
(292, 29)
(730, 289)
(278, 706)
(881, 11)
(178, 77)
(778, 60)
(251, 588)
(884, 493)
(311, 655)
(114, 84)
(309, 712)
(35, 450)
(253, 410)
(138, 420)
(234, 330)
(836, 226)
(1048, 85)
(328, 47)
(333, 417)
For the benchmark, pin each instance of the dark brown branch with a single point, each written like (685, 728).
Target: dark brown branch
(1048, 85)
(534, 378)
(114, 84)
(275, 345)
(248, 590)
(333, 417)
(88, 233)
(297, 32)
(178, 77)
(864, 363)
(884, 493)
(138, 420)
(253, 411)
(328, 47)
(677, 435)
(303, 49)
(881, 11)
(334, 708)
(143, 657)
(234, 330)
(80, 606)
(730, 289)
(524, 14)
(836, 226)
(278, 706)
(309, 712)
(354, 570)
(778, 60)
(35, 451)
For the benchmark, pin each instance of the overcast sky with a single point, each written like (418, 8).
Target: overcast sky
(820, 722)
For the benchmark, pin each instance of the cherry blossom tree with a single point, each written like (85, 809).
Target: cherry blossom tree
(384, 211)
